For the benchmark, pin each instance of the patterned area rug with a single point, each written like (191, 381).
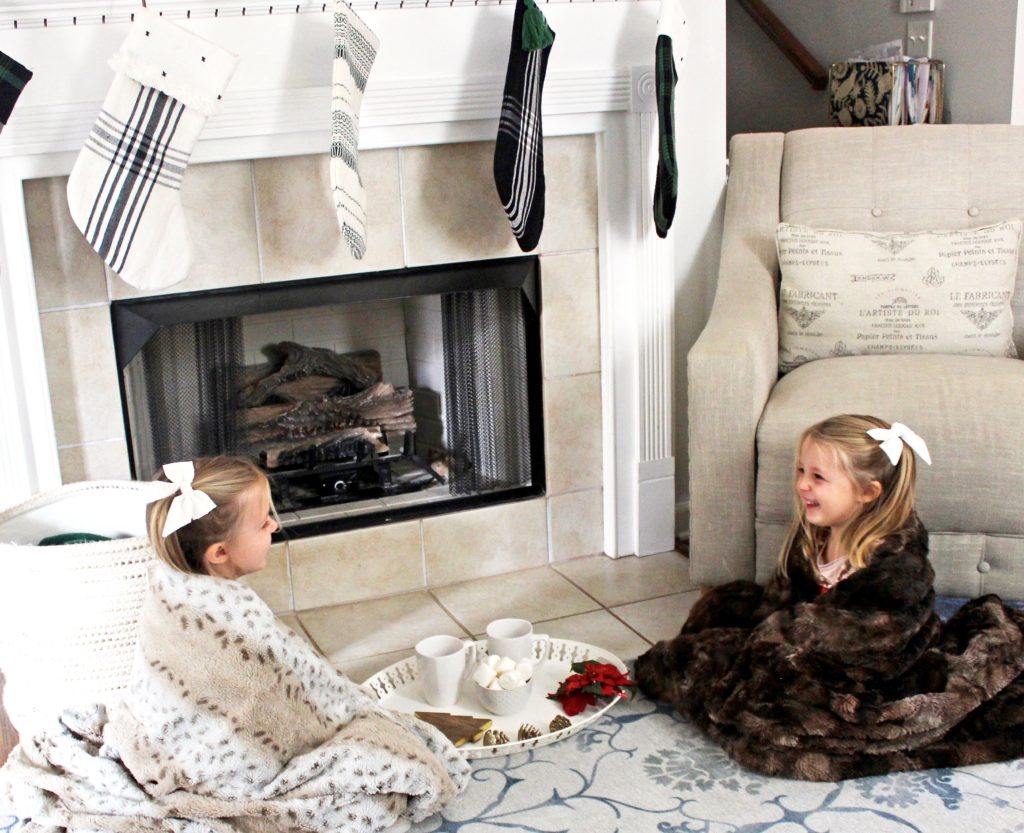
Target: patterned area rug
(642, 769)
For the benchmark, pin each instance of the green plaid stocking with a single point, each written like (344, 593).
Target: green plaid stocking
(669, 49)
(13, 78)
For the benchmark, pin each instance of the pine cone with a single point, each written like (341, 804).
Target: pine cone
(494, 737)
(559, 722)
(528, 731)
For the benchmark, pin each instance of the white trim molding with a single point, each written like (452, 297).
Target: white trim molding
(390, 104)
(655, 289)
(30, 15)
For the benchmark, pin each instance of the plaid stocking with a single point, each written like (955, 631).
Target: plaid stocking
(519, 151)
(13, 78)
(670, 48)
(123, 190)
(355, 48)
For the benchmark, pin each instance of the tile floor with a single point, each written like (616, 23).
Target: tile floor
(623, 604)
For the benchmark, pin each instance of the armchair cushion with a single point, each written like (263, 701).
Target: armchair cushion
(848, 293)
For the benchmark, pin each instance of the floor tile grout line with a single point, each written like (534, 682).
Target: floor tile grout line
(655, 598)
(629, 626)
(602, 609)
(608, 607)
(308, 635)
(582, 589)
(453, 617)
(596, 601)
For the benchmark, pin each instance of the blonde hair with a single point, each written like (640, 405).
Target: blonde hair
(861, 458)
(225, 480)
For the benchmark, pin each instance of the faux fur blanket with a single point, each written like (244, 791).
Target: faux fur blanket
(231, 723)
(862, 680)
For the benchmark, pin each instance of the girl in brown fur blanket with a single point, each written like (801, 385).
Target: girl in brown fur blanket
(839, 667)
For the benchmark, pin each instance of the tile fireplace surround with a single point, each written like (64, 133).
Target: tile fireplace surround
(620, 307)
(270, 220)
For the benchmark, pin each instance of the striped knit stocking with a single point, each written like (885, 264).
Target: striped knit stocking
(519, 151)
(124, 189)
(13, 78)
(355, 48)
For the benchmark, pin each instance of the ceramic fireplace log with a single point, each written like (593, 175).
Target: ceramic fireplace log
(306, 388)
(382, 406)
(321, 448)
(355, 371)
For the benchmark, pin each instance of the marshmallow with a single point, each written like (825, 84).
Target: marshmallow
(505, 664)
(502, 673)
(510, 679)
(484, 675)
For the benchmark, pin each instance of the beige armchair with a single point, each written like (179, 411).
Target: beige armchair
(744, 419)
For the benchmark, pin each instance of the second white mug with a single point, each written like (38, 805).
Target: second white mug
(514, 638)
(441, 665)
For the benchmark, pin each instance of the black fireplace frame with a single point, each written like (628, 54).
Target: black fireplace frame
(135, 321)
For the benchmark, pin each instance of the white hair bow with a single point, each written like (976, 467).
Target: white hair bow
(188, 506)
(892, 440)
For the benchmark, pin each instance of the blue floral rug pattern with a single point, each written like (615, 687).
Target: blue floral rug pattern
(642, 769)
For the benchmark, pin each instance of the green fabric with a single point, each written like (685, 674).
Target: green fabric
(71, 538)
(666, 184)
(536, 32)
(8, 77)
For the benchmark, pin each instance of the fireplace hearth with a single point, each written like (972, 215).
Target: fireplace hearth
(392, 395)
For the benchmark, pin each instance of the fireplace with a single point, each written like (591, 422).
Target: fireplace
(256, 201)
(366, 398)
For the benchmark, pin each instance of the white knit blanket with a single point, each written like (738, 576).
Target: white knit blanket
(231, 723)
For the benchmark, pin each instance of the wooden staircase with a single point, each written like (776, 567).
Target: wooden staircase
(787, 42)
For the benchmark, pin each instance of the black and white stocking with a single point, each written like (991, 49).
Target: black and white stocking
(519, 151)
(124, 188)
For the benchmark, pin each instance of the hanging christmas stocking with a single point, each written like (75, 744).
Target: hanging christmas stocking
(669, 50)
(519, 151)
(124, 189)
(355, 48)
(13, 78)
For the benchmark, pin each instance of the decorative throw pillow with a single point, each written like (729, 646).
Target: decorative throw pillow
(847, 293)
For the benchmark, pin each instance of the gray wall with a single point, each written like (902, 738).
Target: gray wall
(765, 92)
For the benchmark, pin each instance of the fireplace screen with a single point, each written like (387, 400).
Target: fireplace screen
(362, 400)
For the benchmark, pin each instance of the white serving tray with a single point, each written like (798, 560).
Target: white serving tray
(396, 689)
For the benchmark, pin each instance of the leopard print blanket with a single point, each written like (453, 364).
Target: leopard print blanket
(231, 722)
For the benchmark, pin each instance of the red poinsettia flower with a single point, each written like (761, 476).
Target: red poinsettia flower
(590, 679)
(573, 704)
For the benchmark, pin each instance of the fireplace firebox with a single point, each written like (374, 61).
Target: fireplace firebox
(366, 398)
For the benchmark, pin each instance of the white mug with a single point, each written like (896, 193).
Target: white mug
(441, 665)
(514, 638)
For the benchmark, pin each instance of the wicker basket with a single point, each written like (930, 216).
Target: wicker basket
(69, 616)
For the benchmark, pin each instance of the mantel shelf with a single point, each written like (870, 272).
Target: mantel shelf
(20, 15)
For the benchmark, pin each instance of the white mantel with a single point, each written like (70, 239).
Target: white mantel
(438, 79)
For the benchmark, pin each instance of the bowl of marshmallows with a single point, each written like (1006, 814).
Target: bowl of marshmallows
(502, 684)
